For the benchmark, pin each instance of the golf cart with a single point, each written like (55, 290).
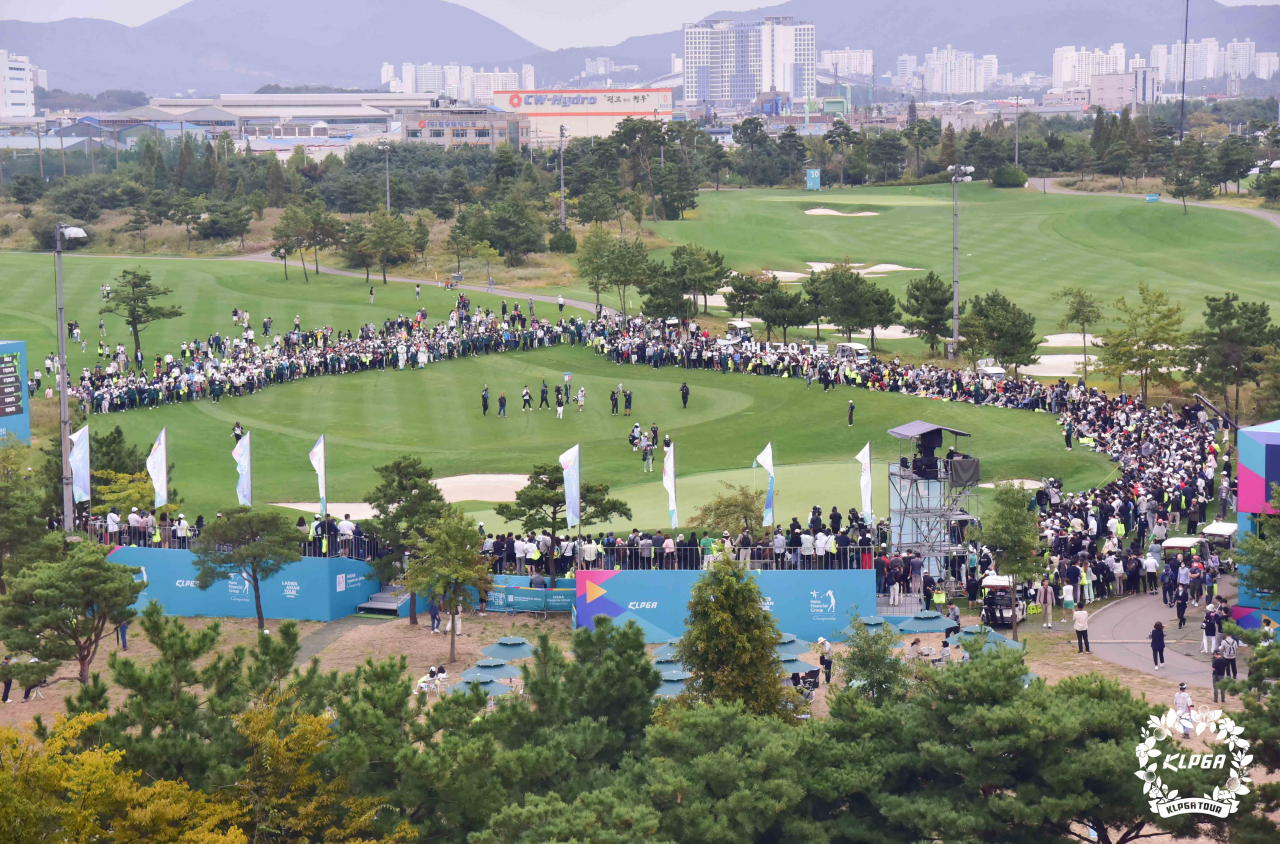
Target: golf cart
(991, 369)
(1001, 604)
(739, 330)
(1221, 537)
(1187, 546)
(855, 351)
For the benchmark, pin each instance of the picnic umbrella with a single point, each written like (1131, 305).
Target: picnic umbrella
(669, 649)
(491, 687)
(992, 638)
(668, 663)
(508, 648)
(789, 644)
(789, 661)
(873, 623)
(679, 675)
(927, 621)
(669, 688)
(494, 669)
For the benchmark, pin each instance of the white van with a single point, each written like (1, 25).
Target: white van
(857, 351)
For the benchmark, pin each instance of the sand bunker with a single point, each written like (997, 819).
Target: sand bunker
(455, 488)
(892, 268)
(831, 212)
(1074, 338)
(1055, 365)
(1020, 483)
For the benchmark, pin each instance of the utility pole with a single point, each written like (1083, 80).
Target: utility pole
(386, 158)
(40, 150)
(563, 226)
(959, 174)
(1017, 103)
(62, 148)
(1186, 29)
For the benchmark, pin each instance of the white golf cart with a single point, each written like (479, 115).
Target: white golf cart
(739, 329)
(1187, 546)
(855, 351)
(991, 369)
(1001, 604)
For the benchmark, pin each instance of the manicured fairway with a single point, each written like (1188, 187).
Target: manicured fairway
(1028, 244)
(370, 418)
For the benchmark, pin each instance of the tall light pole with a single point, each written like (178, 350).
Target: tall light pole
(385, 146)
(563, 226)
(64, 413)
(1017, 103)
(959, 173)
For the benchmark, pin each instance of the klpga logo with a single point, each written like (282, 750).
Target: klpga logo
(185, 583)
(642, 605)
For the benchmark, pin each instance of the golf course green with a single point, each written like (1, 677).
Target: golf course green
(371, 418)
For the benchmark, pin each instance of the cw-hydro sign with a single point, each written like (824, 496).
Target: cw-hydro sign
(808, 603)
(312, 589)
(15, 409)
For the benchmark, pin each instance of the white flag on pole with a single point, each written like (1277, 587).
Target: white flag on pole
(317, 462)
(669, 481)
(80, 464)
(864, 457)
(158, 468)
(244, 466)
(572, 465)
(765, 459)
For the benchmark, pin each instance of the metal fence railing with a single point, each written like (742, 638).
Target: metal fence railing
(632, 558)
(340, 545)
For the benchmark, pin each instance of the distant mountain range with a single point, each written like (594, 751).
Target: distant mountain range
(235, 46)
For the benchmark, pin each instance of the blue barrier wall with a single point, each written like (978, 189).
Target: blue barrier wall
(807, 603)
(512, 593)
(312, 589)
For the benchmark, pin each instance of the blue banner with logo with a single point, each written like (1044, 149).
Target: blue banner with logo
(15, 405)
(807, 603)
(312, 589)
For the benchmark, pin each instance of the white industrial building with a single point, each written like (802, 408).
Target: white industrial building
(20, 78)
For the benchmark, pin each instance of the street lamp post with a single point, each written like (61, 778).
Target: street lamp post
(385, 146)
(959, 173)
(64, 413)
(1017, 105)
(563, 225)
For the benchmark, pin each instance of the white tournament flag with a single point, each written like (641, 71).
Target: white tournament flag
(317, 461)
(158, 468)
(669, 481)
(80, 464)
(765, 459)
(864, 457)
(244, 466)
(569, 461)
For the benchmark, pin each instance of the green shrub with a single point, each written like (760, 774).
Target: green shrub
(1008, 176)
(563, 241)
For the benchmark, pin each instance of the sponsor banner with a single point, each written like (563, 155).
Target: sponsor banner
(312, 589)
(807, 603)
(15, 414)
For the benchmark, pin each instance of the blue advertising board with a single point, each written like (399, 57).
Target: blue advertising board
(312, 589)
(807, 603)
(1153, 197)
(812, 179)
(15, 405)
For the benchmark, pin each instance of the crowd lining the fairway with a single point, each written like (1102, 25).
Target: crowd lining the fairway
(1167, 459)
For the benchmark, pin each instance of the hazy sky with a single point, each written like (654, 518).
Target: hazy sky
(558, 23)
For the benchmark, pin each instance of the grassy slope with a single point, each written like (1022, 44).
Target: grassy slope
(1027, 244)
(371, 418)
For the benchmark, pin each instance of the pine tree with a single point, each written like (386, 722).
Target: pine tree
(253, 545)
(446, 565)
(729, 644)
(135, 302)
(186, 162)
(947, 150)
(276, 183)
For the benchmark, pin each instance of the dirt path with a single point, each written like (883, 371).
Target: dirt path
(1053, 187)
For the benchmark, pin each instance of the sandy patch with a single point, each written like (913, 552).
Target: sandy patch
(1056, 365)
(831, 212)
(892, 268)
(786, 275)
(1020, 483)
(1069, 339)
(893, 332)
(494, 487)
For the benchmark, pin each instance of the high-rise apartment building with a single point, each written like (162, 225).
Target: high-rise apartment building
(388, 72)
(1266, 65)
(732, 60)
(1159, 61)
(527, 76)
(848, 62)
(18, 96)
(952, 71)
(1203, 61)
(905, 68)
(1241, 58)
(1074, 68)
(1137, 62)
